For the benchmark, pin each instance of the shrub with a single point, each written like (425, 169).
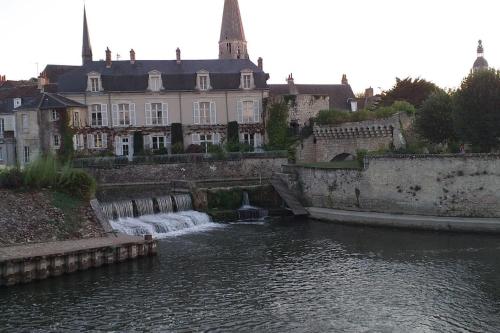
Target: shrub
(178, 148)
(44, 172)
(233, 132)
(77, 183)
(177, 135)
(360, 156)
(217, 151)
(11, 178)
(195, 149)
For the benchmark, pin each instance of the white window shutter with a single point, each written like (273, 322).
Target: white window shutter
(90, 141)
(216, 138)
(104, 112)
(104, 140)
(258, 140)
(90, 115)
(256, 112)
(148, 142)
(133, 121)
(195, 138)
(213, 113)
(147, 109)
(75, 146)
(196, 113)
(118, 146)
(164, 113)
(114, 115)
(82, 142)
(240, 112)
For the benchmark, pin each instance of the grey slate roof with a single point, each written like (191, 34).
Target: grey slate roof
(339, 93)
(125, 76)
(53, 72)
(232, 25)
(47, 101)
(7, 95)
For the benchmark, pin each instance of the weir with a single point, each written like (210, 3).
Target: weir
(249, 212)
(154, 216)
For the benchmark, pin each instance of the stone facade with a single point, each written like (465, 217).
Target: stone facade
(453, 185)
(331, 142)
(155, 173)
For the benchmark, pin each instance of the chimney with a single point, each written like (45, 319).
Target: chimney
(178, 55)
(369, 92)
(108, 58)
(291, 85)
(132, 56)
(260, 63)
(344, 80)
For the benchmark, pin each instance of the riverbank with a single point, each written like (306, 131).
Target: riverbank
(44, 216)
(460, 224)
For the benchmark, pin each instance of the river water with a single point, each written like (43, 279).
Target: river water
(277, 277)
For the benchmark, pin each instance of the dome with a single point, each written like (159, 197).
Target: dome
(480, 63)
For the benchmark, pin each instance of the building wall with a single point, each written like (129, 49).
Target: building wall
(451, 185)
(28, 137)
(9, 122)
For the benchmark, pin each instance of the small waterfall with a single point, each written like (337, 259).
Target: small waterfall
(249, 212)
(165, 204)
(183, 202)
(124, 208)
(145, 206)
(107, 209)
(163, 225)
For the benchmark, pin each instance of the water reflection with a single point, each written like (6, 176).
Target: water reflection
(295, 277)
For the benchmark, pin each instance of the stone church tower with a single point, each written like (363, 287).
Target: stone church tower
(86, 48)
(480, 64)
(232, 44)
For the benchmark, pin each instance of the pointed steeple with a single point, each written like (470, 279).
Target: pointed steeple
(86, 48)
(232, 43)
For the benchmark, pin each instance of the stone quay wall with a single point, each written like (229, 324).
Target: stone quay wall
(159, 173)
(435, 185)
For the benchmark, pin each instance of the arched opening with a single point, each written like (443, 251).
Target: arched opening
(343, 157)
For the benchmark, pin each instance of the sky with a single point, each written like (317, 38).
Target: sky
(372, 41)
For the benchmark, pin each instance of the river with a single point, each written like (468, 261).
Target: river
(277, 277)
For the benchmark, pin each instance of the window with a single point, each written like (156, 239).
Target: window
(2, 127)
(78, 143)
(56, 141)
(158, 142)
(156, 114)
(205, 139)
(248, 112)
(26, 154)
(98, 115)
(100, 140)
(247, 81)
(1, 153)
(205, 113)
(155, 83)
(17, 102)
(76, 119)
(26, 123)
(123, 114)
(94, 84)
(249, 139)
(54, 116)
(203, 82)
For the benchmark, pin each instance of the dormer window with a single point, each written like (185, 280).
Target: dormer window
(17, 102)
(155, 81)
(203, 81)
(247, 81)
(94, 83)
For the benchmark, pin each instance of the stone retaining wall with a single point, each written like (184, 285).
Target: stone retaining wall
(140, 173)
(453, 185)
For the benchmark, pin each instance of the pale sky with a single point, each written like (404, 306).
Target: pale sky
(372, 41)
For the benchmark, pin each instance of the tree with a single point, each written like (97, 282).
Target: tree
(277, 127)
(477, 110)
(413, 91)
(434, 120)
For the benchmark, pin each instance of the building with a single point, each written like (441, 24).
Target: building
(309, 99)
(134, 104)
(13, 94)
(480, 63)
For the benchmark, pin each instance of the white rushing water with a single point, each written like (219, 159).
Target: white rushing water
(164, 225)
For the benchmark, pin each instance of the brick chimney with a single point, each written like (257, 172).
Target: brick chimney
(292, 89)
(132, 56)
(344, 80)
(178, 55)
(369, 92)
(260, 63)
(108, 58)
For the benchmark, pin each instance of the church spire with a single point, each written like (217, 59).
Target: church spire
(232, 43)
(86, 48)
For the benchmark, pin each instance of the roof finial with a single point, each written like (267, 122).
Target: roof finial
(480, 48)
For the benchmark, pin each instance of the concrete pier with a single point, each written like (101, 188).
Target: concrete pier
(26, 263)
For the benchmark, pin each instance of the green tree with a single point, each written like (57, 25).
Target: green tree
(477, 110)
(413, 91)
(277, 127)
(434, 120)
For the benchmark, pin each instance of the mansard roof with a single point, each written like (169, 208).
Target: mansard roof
(125, 76)
(339, 94)
(7, 95)
(49, 101)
